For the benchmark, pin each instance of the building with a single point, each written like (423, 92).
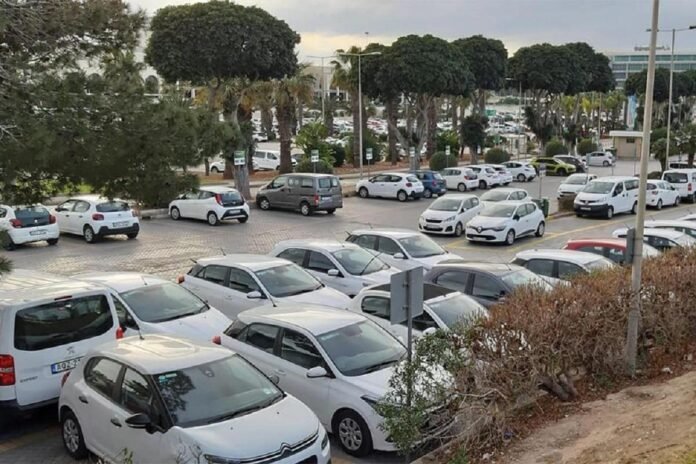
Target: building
(623, 64)
(627, 144)
(323, 77)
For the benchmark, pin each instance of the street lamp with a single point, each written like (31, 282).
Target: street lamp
(519, 116)
(323, 82)
(360, 121)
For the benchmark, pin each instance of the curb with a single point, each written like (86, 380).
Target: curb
(159, 213)
(560, 215)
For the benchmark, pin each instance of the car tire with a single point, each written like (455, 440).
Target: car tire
(677, 200)
(634, 209)
(606, 164)
(89, 235)
(352, 433)
(462, 187)
(659, 205)
(214, 170)
(174, 213)
(561, 172)
(401, 196)
(510, 237)
(521, 178)
(427, 193)
(73, 440)
(363, 193)
(691, 198)
(330, 211)
(132, 236)
(506, 184)
(243, 220)
(458, 230)
(212, 219)
(9, 245)
(610, 212)
(52, 241)
(305, 209)
(263, 203)
(483, 185)
(540, 229)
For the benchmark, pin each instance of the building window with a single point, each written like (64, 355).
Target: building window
(639, 58)
(621, 58)
(684, 57)
(663, 57)
(637, 67)
(630, 140)
(619, 75)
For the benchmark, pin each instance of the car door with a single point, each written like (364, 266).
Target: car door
(201, 206)
(458, 280)
(276, 192)
(631, 187)
(566, 270)
(294, 255)
(319, 265)
(186, 204)
(543, 267)
(80, 216)
(64, 216)
(239, 285)
(486, 290)
(387, 248)
(468, 210)
(259, 347)
(378, 185)
(272, 161)
(209, 284)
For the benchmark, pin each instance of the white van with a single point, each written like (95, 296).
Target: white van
(684, 180)
(607, 196)
(47, 324)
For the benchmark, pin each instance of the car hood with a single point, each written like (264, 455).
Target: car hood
(324, 296)
(239, 438)
(379, 277)
(430, 261)
(197, 327)
(570, 187)
(376, 383)
(486, 222)
(438, 215)
(591, 196)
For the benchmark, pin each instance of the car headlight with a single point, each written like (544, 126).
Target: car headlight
(325, 440)
(451, 218)
(210, 459)
(371, 400)
(499, 228)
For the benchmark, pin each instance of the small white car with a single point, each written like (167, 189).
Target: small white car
(661, 239)
(521, 171)
(233, 283)
(504, 194)
(401, 186)
(662, 193)
(561, 264)
(338, 363)
(217, 167)
(160, 399)
(504, 173)
(402, 249)
(606, 196)
(461, 179)
(688, 227)
(486, 175)
(211, 204)
(505, 222)
(146, 304)
(449, 215)
(94, 217)
(573, 184)
(28, 224)
(343, 266)
(269, 160)
(600, 158)
(684, 180)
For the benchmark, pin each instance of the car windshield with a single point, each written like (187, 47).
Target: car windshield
(446, 204)
(457, 308)
(686, 240)
(675, 177)
(361, 348)
(163, 302)
(525, 277)
(598, 187)
(113, 207)
(419, 246)
(599, 264)
(495, 195)
(287, 280)
(215, 392)
(230, 196)
(576, 180)
(437, 176)
(503, 211)
(357, 261)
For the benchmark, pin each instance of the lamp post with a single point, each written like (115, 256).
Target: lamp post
(519, 115)
(323, 83)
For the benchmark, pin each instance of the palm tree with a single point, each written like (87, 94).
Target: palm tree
(343, 78)
(286, 94)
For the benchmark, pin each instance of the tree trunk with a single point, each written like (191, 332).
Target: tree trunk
(329, 114)
(482, 101)
(284, 113)
(206, 163)
(454, 115)
(267, 121)
(300, 115)
(690, 160)
(355, 110)
(392, 121)
(431, 120)
(408, 108)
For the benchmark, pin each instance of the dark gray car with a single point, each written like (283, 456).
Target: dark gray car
(304, 192)
(487, 283)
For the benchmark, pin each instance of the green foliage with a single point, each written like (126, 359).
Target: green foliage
(546, 67)
(686, 141)
(586, 146)
(339, 154)
(496, 156)
(555, 147)
(487, 60)
(440, 161)
(659, 149)
(658, 133)
(473, 131)
(305, 165)
(635, 84)
(370, 140)
(311, 137)
(595, 72)
(447, 138)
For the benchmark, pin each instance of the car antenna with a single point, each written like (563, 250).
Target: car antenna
(142, 277)
(223, 251)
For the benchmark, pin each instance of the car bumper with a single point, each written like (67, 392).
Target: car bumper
(415, 194)
(106, 230)
(312, 455)
(485, 235)
(591, 210)
(565, 194)
(652, 201)
(445, 228)
(237, 212)
(34, 234)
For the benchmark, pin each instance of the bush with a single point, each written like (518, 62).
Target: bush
(370, 140)
(555, 147)
(445, 138)
(586, 146)
(439, 161)
(565, 203)
(496, 156)
(339, 155)
(655, 175)
(323, 166)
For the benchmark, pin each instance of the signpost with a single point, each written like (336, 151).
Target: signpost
(239, 158)
(542, 172)
(368, 157)
(412, 158)
(315, 159)
(447, 155)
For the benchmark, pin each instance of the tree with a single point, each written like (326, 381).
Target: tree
(659, 148)
(555, 147)
(487, 59)
(345, 77)
(686, 141)
(635, 84)
(586, 146)
(473, 134)
(286, 93)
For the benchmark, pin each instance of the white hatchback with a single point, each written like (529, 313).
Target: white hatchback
(662, 193)
(573, 184)
(28, 224)
(504, 173)
(401, 186)
(160, 399)
(94, 217)
(521, 171)
(449, 215)
(600, 158)
(486, 175)
(461, 179)
(504, 194)
(212, 204)
(505, 222)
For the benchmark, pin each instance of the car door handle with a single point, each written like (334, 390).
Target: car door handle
(279, 372)
(115, 422)
(83, 399)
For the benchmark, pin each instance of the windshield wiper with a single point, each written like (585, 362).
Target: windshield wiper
(179, 316)
(304, 290)
(247, 410)
(380, 366)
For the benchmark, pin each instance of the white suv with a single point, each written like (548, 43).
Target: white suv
(27, 224)
(94, 217)
(401, 186)
(505, 222)
(212, 204)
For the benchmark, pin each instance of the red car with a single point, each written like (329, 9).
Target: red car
(612, 248)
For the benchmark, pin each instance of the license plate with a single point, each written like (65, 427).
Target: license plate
(585, 208)
(63, 366)
(329, 198)
(37, 232)
(233, 211)
(118, 225)
(432, 228)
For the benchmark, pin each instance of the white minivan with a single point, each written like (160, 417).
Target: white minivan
(684, 180)
(47, 324)
(606, 196)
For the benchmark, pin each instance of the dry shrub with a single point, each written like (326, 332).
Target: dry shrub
(566, 203)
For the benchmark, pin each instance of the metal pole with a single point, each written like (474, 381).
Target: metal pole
(360, 116)
(634, 314)
(669, 105)
(323, 91)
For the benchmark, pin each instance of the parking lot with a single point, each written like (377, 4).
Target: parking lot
(168, 248)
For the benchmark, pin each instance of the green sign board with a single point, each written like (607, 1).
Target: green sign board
(239, 158)
(490, 113)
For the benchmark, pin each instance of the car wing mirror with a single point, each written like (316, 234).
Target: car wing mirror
(317, 372)
(399, 256)
(430, 331)
(139, 421)
(275, 379)
(254, 295)
(60, 209)
(334, 273)
(516, 217)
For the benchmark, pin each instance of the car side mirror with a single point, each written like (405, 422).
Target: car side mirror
(317, 372)
(275, 379)
(139, 421)
(255, 295)
(399, 256)
(60, 209)
(430, 331)
(334, 273)
(516, 217)
(463, 210)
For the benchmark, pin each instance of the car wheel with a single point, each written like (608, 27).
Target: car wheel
(363, 192)
(677, 201)
(353, 434)
(521, 178)
(264, 204)
(561, 172)
(461, 187)
(510, 237)
(212, 219)
(132, 236)
(401, 196)
(243, 220)
(606, 164)
(305, 209)
(214, 170)
(634, 208)
(540, 229)
(482, 184)
(610, 212)
(330, 211)
(73, 440)
(174, 213)
(691, 198)
(458, 230)
(659, 205)
(8, 244)
(427, 193)
(88, 233)
(52, 241)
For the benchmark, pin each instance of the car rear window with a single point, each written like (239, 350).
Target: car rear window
(412, 179)
(32, 215)
(676, 177)
(113, 207)
(62, 322)
(326, 182)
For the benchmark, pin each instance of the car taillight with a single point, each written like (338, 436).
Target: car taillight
(218, 199)
(689, 187)
(316, 199)
(119, 333)
(408, 184)
(217, 340)
(654, 192)
(51, 219)
(7, 370)
(16, 223)
(97, 217)
(64, 379)
(180, 279)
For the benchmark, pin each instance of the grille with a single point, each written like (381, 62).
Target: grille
(285, 452)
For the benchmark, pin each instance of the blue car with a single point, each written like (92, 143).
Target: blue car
(433, 183)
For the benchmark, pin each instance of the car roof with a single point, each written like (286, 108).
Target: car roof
(93, 198)
(402, 174)
(614, 179)
(217, 189)
(244, 260)
(319, 244)
(156, 354)
(493, 268)
(621, 242)
(664, 233)
(671, 223)
(684, 170)
(508, 189)
(315, 319)
(394, 233)
(308, 174)
(573, 256)
(22, 286)
(457, 196)
(120, 282)
(512, 202)
(430, 291)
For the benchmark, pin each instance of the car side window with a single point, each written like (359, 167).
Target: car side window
(67, 205)
(214, 274)
(486, 287)
(307, 182)
(395, 179)
(320, 263)
(455, 280)
(3, 213)
(619, 189)
(632, 185)
(540, 266)
(293, 182)
(299, 350)
(568, 270)
(124, 317)
(424, 321)
(203, 195)
(295, 255)
(241, 281)
(367, 241)
(191, 195)
(388, 246)
(615, 254)
(381, 178)
(522, 211)
(261, 336)
(81, 207)
(279, 182)
(102, 374)
(376, 306)
(474, 202)
(136, 394)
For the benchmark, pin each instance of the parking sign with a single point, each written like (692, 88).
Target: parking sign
(239, 158)
(447, 150)
(368, 154)
(315, 156)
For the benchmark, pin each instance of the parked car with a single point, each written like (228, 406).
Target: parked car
(580, 165)
(343, 266)
(401, 186)
(688, 217)
(433, 183)
(574, 184)
(212, 204)
(487, 283)
(611, 248)
(688, 227)
(402, 249)
(661, 239)
(307, 193)
(268, 160)
(449, 215)
(47, 323)
(521, 171)
(553, 166)
(561, 264)
(504, 194)
(336, 362)
(600, 158)
(94, 217)
(28, 224)
(461, 179)
(236, 282)
(683, 180)
(163, 399)
(661, 193)
(505, 175)
(606, 196)
(486, 175)
(505, 222)
(146, 304)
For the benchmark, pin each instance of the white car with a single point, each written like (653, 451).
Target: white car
(661, 193)
(401, 186)
(146, 304)
(606, 196)
(504, 194)
(573, 184)
(684, 180)
(461, 179)
(450, 214)
(343, 266)
(600, 158)
(338, 363)
(505, 222)
(521, 171)
(402, 249)
(688, 227)
(211, 204)
(561, 264)
(28, 224)
(233, 283)
(486, 175)
(661, 239)
(269, 160)
(504, 173)
(160, 399)
(94, 217)
(217, 167)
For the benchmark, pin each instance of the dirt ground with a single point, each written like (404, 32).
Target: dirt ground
(647, 424)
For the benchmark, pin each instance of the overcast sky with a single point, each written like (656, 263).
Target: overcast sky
(607, 25)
